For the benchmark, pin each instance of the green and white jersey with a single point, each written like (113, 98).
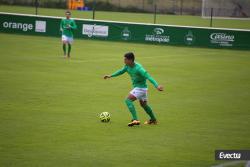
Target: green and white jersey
(138, 75)
(67, 26)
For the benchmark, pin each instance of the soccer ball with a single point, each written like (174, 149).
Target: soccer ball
(105, 117)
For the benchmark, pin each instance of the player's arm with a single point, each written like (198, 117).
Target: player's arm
(61, 25)
(144, 73)
(117, 73)
(73, 25)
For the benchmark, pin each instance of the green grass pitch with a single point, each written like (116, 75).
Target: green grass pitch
(49, 106)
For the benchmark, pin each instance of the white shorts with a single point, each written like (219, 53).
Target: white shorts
(140, 93)
(67, 39)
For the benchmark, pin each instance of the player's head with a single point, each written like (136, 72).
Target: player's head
(68, 14)
(129, 58)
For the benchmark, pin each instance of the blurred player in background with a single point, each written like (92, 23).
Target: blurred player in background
(67, 26)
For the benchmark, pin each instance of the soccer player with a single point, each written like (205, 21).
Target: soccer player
(67, 26)
(138, 76)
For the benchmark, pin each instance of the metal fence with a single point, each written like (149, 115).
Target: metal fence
(190, 7)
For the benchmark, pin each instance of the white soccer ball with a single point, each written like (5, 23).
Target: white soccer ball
(105, 117)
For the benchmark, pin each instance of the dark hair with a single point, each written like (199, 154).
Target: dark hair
(68, 12)
(130, 56)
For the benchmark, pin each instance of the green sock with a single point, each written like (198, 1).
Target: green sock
(69, 49)
(131, 108)
(64, 49)
(149, 112)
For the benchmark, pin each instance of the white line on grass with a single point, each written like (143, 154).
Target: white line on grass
(233, 163)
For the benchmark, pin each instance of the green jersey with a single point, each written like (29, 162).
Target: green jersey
(67, 26)
(138, 75)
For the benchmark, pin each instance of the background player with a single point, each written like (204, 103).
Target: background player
(67, 26)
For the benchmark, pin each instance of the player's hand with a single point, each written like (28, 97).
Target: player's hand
(160, 88)
(107, 76)
(68, 26)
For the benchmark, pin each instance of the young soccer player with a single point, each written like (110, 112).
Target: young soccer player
(138, 76)
(67, 26)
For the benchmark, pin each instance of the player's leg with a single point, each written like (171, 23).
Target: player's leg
(69, 49)
(70, 41)
(64, 43)
(64, 48)
(129, 102)
(149, 111)
(143, 102)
